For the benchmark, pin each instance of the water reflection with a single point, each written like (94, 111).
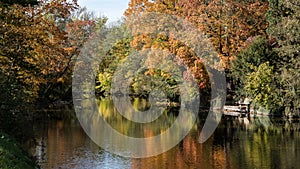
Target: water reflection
(258, 142)
(132, 129)
(157, 136)
(63, 144)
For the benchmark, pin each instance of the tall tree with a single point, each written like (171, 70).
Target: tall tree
(160, 41)
(77, 27)
(284, 20)
(228, 23)
(283, 17)
(268, 71)
(248, 61)
(33, 46)
(39, 44)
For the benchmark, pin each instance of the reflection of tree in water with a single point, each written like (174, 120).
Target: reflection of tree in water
(110, 114)
(237, 142)
(258, 142)
(56, 141)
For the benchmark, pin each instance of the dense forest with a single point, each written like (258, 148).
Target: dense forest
(257, 41)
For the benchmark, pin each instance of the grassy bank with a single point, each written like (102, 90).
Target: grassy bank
(12, 156)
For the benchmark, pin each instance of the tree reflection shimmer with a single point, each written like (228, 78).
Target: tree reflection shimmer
(237, 143)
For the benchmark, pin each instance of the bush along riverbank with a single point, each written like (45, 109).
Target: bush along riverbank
(12, 156)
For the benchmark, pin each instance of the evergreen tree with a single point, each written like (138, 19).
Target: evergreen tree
(284, 20)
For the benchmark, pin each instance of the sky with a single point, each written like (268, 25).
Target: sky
(113, 9)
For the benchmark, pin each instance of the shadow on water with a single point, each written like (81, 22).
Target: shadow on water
(258, 142)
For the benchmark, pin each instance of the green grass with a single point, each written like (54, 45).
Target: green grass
(12, 156)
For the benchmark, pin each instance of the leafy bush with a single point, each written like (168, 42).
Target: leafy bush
(261, 87)
(248, 61)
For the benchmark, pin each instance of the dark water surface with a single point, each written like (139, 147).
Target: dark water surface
(243, 143)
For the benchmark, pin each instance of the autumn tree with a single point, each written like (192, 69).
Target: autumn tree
(40, 44)
(163, 42)
(77, 28)
(15, 92)
(229, 24)
(33, 46)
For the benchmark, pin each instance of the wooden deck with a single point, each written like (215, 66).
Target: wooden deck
(236, 111)
(234, 114)
(241, 109)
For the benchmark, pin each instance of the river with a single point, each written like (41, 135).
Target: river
(258, 142)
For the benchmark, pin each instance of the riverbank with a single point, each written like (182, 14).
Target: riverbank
(12, 156)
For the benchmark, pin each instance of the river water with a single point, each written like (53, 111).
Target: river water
(258, 142)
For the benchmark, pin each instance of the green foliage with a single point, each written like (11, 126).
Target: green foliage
(15, 108)
(273, 71)
(286, 29)
(260, 85)
(143, 79)
(109, 64)
(268, 77)
(156, 79)
(273, 14)
(12, 156)
(248, 61)
(284, 19)
(104, 82)
(290, 90)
